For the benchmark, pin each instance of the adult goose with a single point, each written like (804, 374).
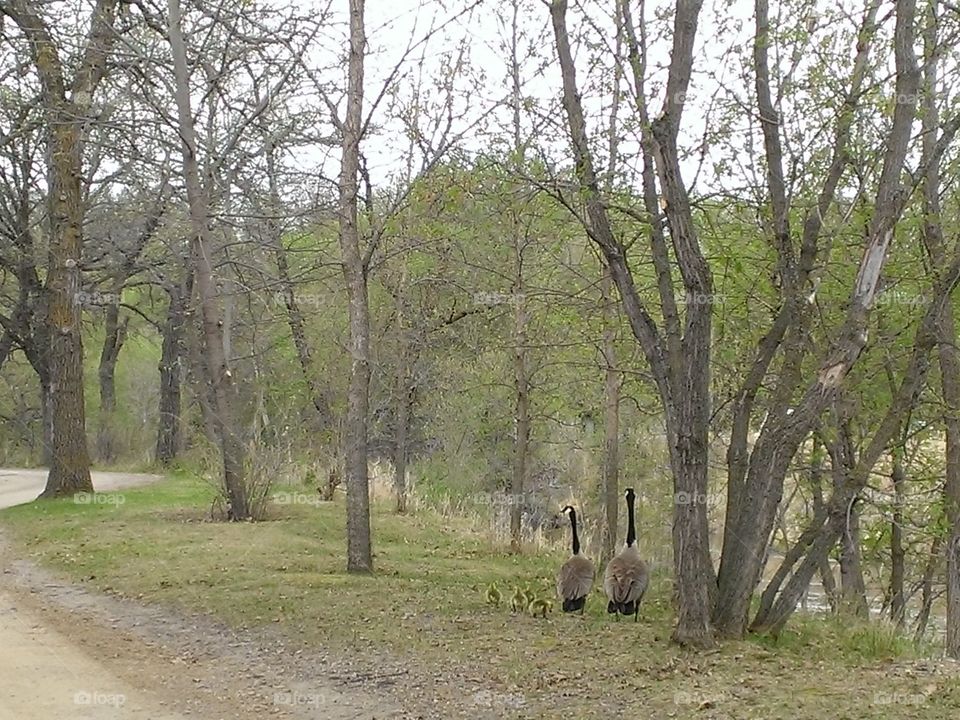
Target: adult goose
(576, 575)
(626, 577)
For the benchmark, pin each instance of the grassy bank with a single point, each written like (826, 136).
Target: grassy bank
(426, 602)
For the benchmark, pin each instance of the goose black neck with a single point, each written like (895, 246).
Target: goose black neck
(573, 527)
(631, 524)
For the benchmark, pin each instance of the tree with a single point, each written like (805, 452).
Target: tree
(67, 109)
(359, 556)
(948, 354)
(682, 377)
(679, 353)
(218, 374)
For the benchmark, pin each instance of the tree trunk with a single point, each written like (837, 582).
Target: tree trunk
(521, 381)
(820, 511)
(897, 554)
(70, 466)
(168, 425)
(947, 352)
(521, 419)
(853, 590)
(950, 384)
(403, 402)
(197, 371)
(359, 555)
(320, 398)
(610, 492)
(400, 451)
(219, 376)
(829, 583)
(66, 109)
(46, 416)
(926, 590)
(115, 333)
(682, 374)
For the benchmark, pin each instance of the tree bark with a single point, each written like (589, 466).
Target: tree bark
(219, 376)
(521, 379)
(359, 554)
(196, 370)
(897, 554)
(403, 405)
(610, 491)
(115, 334)
(521, 417)
(46, 415)
(820, 512)
(171, 353)
(947, 352)
(926, 589)
(853, 590)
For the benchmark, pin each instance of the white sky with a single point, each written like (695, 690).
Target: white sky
(726, 29)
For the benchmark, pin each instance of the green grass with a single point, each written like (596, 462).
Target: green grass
(426, 603)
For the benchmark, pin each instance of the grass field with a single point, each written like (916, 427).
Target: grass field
(426, 604)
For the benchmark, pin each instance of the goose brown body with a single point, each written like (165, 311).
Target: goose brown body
(626, 576)
(576, 575)
(625, 581)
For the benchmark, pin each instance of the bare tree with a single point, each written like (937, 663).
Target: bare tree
(359, 556)
(218, 375)
(948, 354)
(67, 111)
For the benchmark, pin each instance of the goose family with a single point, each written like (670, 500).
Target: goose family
(625, 578)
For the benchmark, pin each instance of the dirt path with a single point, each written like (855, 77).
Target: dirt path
(46, 675)
(71, 654)
(74, 654)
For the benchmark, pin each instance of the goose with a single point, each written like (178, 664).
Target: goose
(576, 575)
(540, 606)
(626, 577)
(518, 601)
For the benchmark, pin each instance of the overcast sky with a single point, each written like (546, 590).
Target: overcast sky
(479, 37)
